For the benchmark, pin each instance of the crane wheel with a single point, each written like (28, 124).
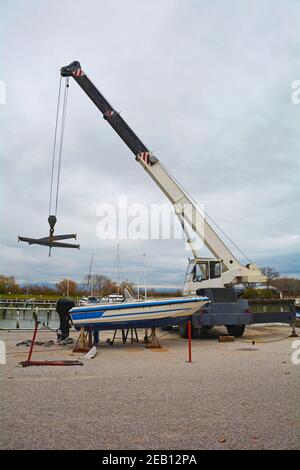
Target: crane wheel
(235, 330)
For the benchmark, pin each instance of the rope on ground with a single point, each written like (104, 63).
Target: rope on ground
(162, 335)
(257, 341)
(48, 327)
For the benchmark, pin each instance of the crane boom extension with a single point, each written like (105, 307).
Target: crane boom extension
(185, 208)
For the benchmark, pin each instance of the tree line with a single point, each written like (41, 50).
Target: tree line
(101, 286)
(97, 284)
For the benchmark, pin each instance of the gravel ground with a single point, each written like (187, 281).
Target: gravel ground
(233, 396)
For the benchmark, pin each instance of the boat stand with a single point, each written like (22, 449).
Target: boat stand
(294, 333)
(125, 333)
(132, 339)
(29, 362)
(151, 342)
(84, 341)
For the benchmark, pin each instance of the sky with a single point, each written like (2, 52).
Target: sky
(206, 85)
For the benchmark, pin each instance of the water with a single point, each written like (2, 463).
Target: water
(25, 318)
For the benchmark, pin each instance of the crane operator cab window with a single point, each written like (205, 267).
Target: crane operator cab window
(200, 272)
(214, 269)
(206, 270)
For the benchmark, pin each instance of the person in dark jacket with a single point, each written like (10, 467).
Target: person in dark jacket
(63, 306)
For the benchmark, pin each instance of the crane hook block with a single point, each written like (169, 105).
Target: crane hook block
(52, 241)
(52, 221)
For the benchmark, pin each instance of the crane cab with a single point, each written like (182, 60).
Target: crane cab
(201, 273)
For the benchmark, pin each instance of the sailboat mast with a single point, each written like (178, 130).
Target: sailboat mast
(27, 284)
(138, 286)
(145, 280)
(118, 268)
(90, 274)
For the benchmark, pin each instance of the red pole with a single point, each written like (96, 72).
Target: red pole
(190, 339)
(33, 340)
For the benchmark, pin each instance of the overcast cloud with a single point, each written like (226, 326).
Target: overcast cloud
(205, 84)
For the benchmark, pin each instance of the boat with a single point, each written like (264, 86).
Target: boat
(91, 299)
(112, 299)
(136, 314)
(297, 309)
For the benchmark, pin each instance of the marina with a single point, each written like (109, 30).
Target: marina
(150, 275)
(19, 314)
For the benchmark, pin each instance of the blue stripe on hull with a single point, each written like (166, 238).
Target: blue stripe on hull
(150, 323)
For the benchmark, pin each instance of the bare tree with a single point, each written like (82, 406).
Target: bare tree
(8, 284)
(66, 287)
(99, 284)
(270, 274)
(288, 285)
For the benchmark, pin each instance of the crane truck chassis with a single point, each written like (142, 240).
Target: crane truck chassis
(225, 308)
(212, 277)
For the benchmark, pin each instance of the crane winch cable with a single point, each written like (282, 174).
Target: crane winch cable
(54, 144)
(63, 121)
(54, 240)
(61, 141)
(208, 216)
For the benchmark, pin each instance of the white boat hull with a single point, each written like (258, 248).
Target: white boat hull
(151, 314)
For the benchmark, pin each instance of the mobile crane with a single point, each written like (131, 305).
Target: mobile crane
(211, 274)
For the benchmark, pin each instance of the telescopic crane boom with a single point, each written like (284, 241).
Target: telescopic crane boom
(225, 269)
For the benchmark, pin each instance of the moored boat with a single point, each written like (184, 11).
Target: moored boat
(137, 314)
(297, 308)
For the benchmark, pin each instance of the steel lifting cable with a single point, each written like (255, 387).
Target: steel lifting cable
(207, 215)
(54, 144)
(55, 240)
(61, 139)
(227, 236)
(63, 121)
